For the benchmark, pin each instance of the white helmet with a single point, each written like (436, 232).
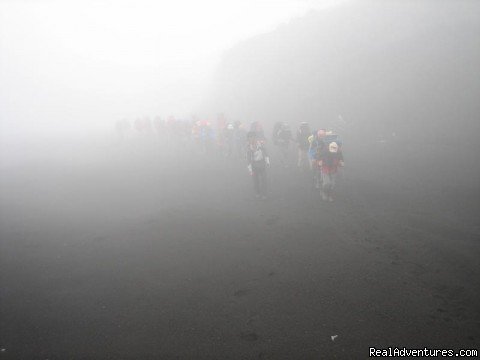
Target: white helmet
(333, 147)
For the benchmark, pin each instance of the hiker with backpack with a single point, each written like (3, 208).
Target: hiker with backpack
(282, 136)
(316, 148)
(330, 161)
(258, 161)
(302, 140)
(257, 128)
(240, 139)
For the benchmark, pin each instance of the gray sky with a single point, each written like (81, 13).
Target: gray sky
(76, 63)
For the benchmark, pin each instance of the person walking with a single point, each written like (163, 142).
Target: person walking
(258, 161)
(282, 138)
(316, 148)
(330, 161)
(302, 140)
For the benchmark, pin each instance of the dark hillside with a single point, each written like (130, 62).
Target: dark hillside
(410, 69)
(404, 76)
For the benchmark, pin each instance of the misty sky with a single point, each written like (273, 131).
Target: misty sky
(84, 62)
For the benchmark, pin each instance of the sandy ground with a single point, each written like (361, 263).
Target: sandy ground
(122, 253)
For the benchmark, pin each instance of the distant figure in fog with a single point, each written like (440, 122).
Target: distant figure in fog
(302, 140)
(159, 126)
(281, 138)
(207, 136)
(257, 128)
(257, 160)
(316, 148)
(195, 134)
(139, 125)
(170, 126)
(220, 128)
(330, 161)
(240, 136)
(229, 139)
(147, 126)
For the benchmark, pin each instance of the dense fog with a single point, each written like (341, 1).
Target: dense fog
(266, 179)
(404, 73)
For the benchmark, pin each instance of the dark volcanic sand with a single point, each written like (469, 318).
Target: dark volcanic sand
(125, 254)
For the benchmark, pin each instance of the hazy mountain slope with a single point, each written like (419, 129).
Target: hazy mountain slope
(403, 67)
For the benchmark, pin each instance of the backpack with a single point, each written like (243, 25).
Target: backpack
(276, 130)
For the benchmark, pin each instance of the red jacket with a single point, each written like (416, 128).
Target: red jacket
(331, 162)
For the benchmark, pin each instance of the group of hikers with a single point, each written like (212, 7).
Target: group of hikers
(319, 151)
